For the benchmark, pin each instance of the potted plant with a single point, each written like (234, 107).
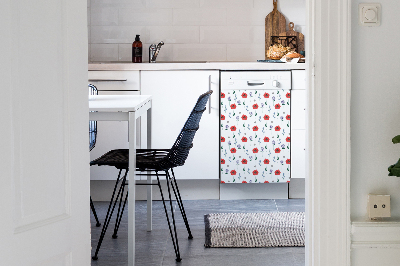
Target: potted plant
(394, 170)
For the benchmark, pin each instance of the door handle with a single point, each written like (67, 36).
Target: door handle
(209, 89)
(103, 80)
(254, 83)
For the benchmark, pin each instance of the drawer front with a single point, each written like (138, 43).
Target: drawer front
(298, 79)
(115, 80)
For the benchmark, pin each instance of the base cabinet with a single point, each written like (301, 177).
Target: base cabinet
(174, 96)
(112, 134)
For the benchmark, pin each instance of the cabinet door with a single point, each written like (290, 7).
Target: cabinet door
(298, 111)
(298, 156)
(112, 134)
(174, 96)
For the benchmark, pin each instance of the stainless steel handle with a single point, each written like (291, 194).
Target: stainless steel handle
(209, 99)
(100, 80)
(254, 83)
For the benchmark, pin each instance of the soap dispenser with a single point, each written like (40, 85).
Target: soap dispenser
(137, 50)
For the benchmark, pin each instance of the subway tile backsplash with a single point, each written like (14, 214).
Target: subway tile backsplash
(192, 30)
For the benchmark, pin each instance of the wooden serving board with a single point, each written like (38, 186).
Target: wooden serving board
(275, 23)
(299, 36)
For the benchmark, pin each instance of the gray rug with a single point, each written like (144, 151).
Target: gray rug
(238, 230)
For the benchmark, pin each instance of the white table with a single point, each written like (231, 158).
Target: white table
(127, 108)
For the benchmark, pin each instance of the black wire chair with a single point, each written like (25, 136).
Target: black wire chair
(92, 143)
(149, 161)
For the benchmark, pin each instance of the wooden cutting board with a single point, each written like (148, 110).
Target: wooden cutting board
(292, 32)
(275, 23)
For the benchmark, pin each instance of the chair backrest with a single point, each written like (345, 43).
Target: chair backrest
(92, 124)
(180, 150)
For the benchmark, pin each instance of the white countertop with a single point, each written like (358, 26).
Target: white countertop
(196, 66)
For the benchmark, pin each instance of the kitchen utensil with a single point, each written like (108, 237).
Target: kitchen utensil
(292, 32)
(275, 23)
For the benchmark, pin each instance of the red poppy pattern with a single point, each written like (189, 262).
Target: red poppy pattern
(255, 136)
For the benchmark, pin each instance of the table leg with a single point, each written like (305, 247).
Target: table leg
(149, 178)
(132, 190)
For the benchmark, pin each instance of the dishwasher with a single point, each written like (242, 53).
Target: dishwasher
(255, 127)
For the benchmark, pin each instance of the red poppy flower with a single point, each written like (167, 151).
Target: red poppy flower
(233, 172)
(288, 181)
(266, 139)
(266, 161)
(266, 181)
(266, 117)
(244, 182)
(277, 128)
(288, 95)
(233, 150)
(255, 128)
(222, 139)
(244, 139)
(255, 106)
(255, 150)
(287, 161)
(233, 106)
(233, 128)
(266, 95)
(244, 117)
(244, 161)
(223, 182)
(222, 95)
(277, 106)
(277, 172)
(288, 117)
(222, 117)
(255, 172)
(277, 150)
(244, 95)
(288, 139)
(222, 161)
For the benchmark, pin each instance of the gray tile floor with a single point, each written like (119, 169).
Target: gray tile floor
(155, 248)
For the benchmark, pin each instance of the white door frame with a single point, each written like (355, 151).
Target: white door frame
(328, 120)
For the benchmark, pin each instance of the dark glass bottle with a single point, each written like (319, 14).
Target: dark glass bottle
(137, 50)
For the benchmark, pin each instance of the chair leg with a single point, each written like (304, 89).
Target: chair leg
(109, 213)
(120, 211)
(94, 213)
(174, 239)
(174, 185)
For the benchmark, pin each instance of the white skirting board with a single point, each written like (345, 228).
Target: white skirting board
(375, 242)
(101, 190)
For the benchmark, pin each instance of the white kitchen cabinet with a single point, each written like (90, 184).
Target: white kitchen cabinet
(174, 96)
(298, 118)
(298, 155)
(298, 111)
(112, 134)
(298, 79)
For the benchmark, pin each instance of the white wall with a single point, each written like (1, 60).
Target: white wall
(193, 30)
(375, 108)
(375, 120)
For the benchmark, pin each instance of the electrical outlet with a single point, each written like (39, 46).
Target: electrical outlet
(378, 206)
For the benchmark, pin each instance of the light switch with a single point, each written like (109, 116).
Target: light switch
(369, 14)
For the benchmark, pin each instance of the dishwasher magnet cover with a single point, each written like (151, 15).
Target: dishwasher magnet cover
(255, 136)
